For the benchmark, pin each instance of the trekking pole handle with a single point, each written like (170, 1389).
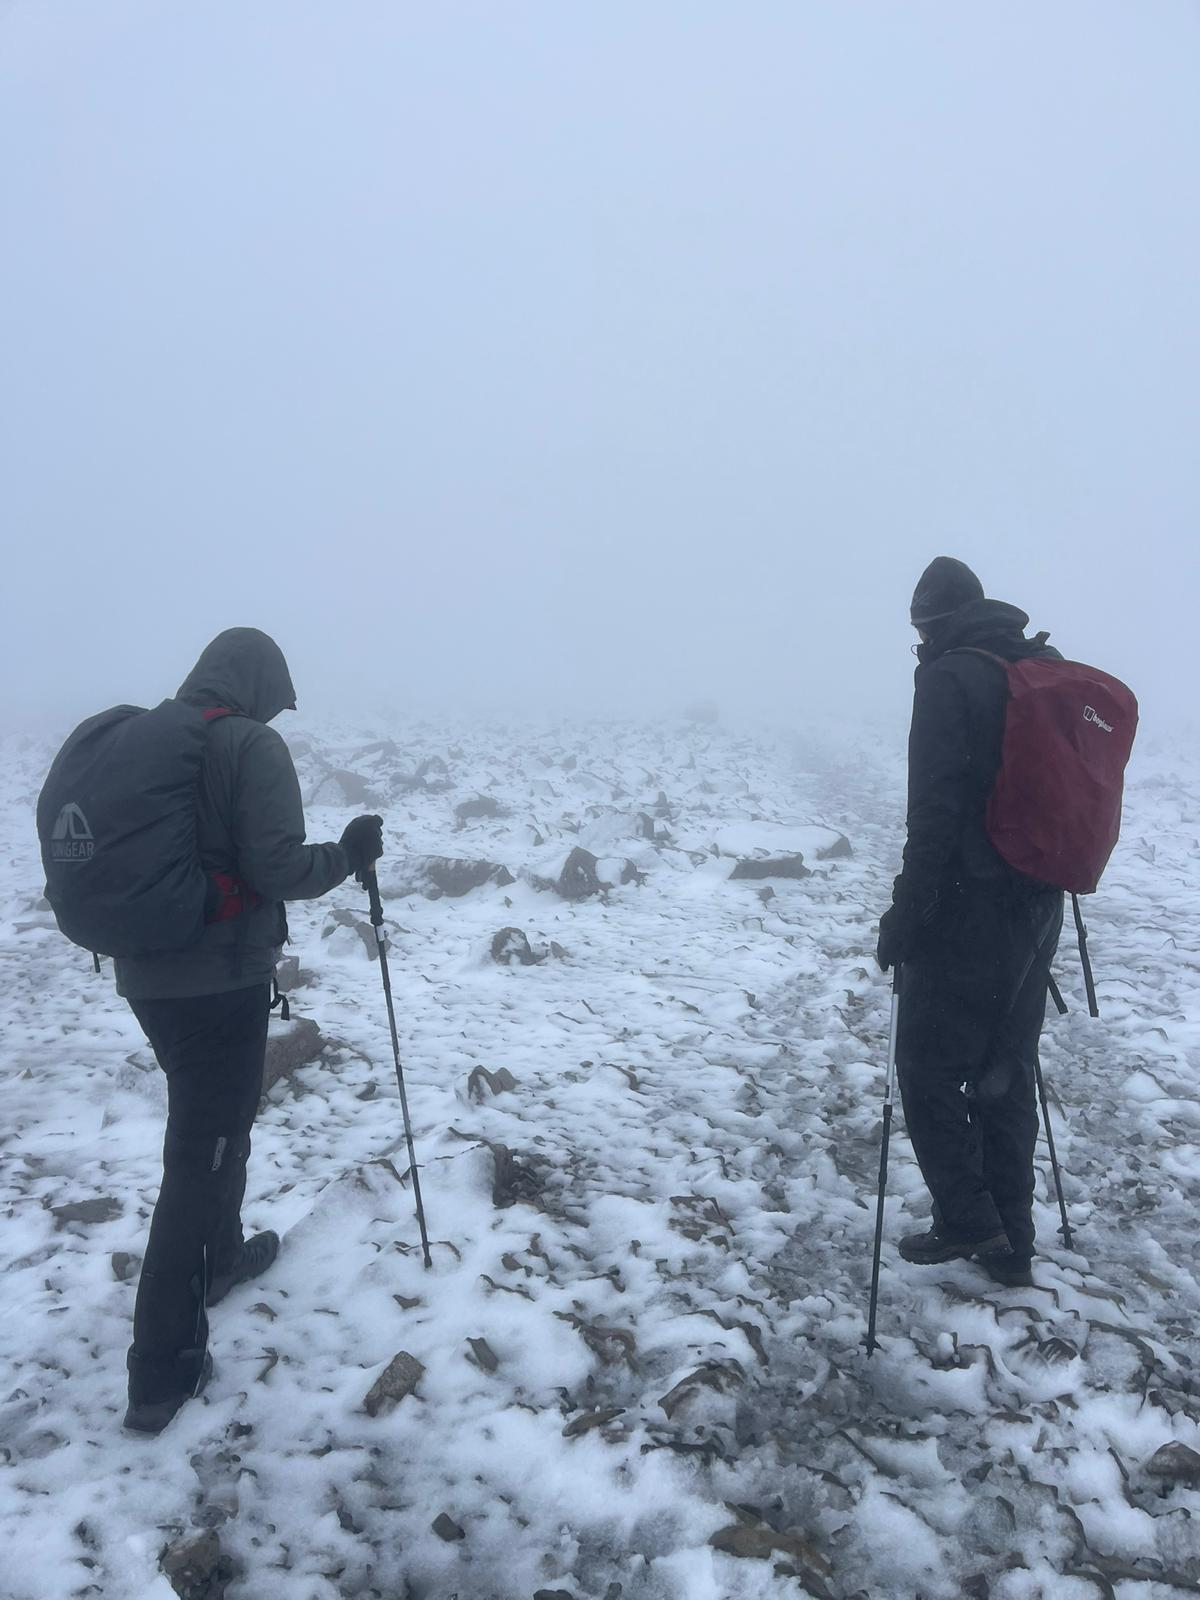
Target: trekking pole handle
(371, 884)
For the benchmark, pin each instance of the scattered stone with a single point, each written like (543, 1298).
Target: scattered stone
(512, 1180)
(290, 1045)
(288, 976)
(102, 1209)
(482, 806)
(558, 951)
(124, 1266)
(196, 1567)
(840, 850)
(771, 867)
(512, 945)
(1175, 1460)
(446, 1528)
(395, 1383)
(482, 1081)
(341, 918)
(761, 1543)
(587, 1420)
(485, 1356)
(719, 1376)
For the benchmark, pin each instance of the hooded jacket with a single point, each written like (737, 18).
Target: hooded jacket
(250, 822)
(954, 748)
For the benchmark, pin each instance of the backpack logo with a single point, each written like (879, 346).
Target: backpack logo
(1090, 714)
(71, 837)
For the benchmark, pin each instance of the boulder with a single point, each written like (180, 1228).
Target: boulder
(290, 1045)
(511, 945)
(1176, 1461)
(438, 876)
(578, 878)
(771, 867)
(483, 805)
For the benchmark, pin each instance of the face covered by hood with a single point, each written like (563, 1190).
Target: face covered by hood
(244, 670)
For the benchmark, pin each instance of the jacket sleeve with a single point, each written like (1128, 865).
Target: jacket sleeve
(268, 826)
(939, 785)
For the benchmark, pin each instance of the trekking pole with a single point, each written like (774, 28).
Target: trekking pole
(371, 885)
(1088, 980)
(1065, 1230)
(872, 1342)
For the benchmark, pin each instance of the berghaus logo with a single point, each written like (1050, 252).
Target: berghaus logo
(71, 837)
(1090, 714)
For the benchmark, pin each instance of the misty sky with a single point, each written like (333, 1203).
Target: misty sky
(602, 353)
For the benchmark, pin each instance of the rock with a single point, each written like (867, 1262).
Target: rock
(553, 1594)
(587, 1420)
(395, 1383)
(716, 1375)
(512, 1180)
(196, 1567)
(446, 1528)
(485, 1357)
(290, 1045)
(760, 1543)
(481, 1082)
(512, 945)
(578, 878)
(1177, 1461)
(482, 806)
(339, 917)
(124, 1266)
(101, 1209)
(438, 876)
(558, 951)
(288, 976)
(771, 867)
(840, 850)
(337, 787)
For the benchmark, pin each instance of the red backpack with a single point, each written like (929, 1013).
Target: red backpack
(1055, 811)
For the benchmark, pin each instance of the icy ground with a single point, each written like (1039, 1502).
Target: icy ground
(641, 1343)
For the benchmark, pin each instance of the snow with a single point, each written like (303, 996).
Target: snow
(694, 1121)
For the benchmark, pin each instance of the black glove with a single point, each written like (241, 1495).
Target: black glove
(901, 928)
(363, 843)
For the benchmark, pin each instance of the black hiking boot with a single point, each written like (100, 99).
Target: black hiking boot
(151, 1416)
(256, 1256)
(931, 1248)
(1013, 1271)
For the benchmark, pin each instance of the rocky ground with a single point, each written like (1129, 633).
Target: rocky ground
(644, 1048)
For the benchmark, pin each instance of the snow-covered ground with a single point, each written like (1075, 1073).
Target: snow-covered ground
(648, 1161)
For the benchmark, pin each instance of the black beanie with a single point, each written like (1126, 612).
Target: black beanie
(945, 585)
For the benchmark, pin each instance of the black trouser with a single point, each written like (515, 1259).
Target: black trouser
(211, 1048)
(972, 1004)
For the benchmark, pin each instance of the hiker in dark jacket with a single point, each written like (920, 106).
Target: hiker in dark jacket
(205, 1011)
(972, 938)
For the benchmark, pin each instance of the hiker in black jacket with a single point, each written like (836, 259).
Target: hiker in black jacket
(205, 1011)
(972, 939)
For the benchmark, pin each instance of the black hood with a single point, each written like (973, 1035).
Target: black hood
(983, 625)
(244, 670)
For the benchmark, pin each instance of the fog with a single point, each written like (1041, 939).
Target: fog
(602, 356)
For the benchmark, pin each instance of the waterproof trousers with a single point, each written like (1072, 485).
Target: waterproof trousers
(211, 1049)
(972, 1005)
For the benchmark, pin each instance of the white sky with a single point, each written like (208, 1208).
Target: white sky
(613, 353)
